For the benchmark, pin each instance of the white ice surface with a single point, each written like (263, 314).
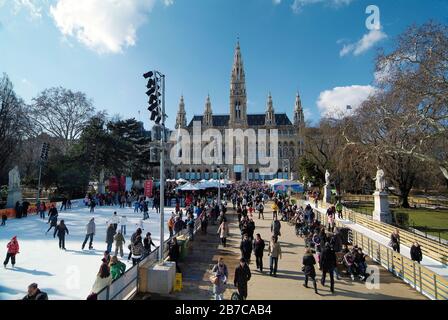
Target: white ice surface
(64, 274)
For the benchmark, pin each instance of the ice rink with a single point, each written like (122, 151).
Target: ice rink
(70, 274)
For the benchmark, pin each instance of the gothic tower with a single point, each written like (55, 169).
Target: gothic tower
(208, 114)
(270, 113)
(238, 98)
(181, 119)
(298, 112)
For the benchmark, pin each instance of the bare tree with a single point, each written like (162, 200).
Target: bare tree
(62, 113)
(13, 122)
(418, 69)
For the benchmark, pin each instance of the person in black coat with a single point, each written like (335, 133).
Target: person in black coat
(328, 263)
(174, 253)
(259, 246)
(25, 206)
(308, 268)
(251, 229)
(246, 248)
(61, 230)
(34, 293)
(18, 209)
(52, 218)
(242, 276)
(416, 252)
(110, 234)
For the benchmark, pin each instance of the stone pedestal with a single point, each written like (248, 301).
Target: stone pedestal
(158, 278)
(13, 196)
(382, 212)
(327, 194)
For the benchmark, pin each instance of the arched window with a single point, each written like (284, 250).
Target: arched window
(237, 110)
(206, 174)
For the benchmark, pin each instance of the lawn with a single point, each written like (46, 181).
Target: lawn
(419, 217)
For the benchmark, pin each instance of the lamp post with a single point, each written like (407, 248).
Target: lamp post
(156, 82)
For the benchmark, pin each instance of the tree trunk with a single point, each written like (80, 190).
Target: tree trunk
(404, 199)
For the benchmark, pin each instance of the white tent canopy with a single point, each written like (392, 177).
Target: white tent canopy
(283, 182)
(189, 187)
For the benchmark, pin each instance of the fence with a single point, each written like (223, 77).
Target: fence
(431, 248)
(417, 276)
(125, 287)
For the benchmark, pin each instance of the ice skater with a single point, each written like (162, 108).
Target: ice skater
(90, 232)
(13, 250)
(123, 223)
(61, 230)
(110, 233)
(52, 218)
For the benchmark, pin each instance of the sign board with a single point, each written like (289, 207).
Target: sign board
(128, 184)
(113, 184)
(148, 188)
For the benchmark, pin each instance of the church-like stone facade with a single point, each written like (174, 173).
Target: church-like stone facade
(290, 139)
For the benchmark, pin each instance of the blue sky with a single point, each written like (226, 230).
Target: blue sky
(102, 48)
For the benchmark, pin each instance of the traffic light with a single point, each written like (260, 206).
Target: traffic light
(44, 151)
(154, 103)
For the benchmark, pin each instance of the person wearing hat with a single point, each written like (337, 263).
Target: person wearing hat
(34, 293)
(13, 250)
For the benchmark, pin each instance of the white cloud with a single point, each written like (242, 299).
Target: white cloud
(32, 7)
(105, 26)
(334, 102)
(168, 2)
(298, 5)
(369, 40)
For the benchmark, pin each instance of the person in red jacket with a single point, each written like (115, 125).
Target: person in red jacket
(13, 249)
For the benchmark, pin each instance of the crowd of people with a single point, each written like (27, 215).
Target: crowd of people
(326, 246)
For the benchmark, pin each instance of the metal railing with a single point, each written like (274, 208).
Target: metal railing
(417, 276)
(125, 287)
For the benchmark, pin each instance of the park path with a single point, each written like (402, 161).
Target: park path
(206, 250)
(432, 264)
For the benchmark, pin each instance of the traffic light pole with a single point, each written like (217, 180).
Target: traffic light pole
(162, 176)
(38, 183)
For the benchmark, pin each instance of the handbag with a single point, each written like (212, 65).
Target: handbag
(214, 280)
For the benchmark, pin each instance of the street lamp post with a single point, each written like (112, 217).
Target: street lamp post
(219, 187)
(162, 175)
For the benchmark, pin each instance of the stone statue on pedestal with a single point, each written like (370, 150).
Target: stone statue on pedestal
(327, 177)
(380, 182)
(327, 188)
(14, 179)
(14, 190)
(381, 210)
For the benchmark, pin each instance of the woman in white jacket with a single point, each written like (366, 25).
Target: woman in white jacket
(123, 223)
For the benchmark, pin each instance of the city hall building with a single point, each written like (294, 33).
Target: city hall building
(290, 139)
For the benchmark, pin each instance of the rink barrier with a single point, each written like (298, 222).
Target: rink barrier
(420, 278)
(126, 287)
(431, 248)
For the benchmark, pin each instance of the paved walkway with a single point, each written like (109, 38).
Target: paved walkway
(432, 264)
(206, 250)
